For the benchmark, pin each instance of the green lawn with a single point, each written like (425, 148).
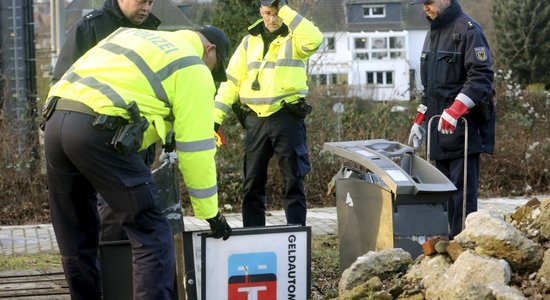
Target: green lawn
(30, 262)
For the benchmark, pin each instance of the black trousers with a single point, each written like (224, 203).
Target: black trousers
(454, 170)
(284, 135)
(80, 163)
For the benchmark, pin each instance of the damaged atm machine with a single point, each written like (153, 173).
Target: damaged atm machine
(387, 197)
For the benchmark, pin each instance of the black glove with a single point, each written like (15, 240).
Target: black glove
(216, 126)
(219, 227)
(282, 3)
(170, 145)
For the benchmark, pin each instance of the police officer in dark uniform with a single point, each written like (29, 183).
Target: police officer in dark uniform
(457, 76)
(86, 33)
(98, 24)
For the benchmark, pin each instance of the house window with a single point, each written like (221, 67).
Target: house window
(374, 11)
(381, 78)
(379, 47)
(361, 47)
(328, 44)
(361, 43)
(329, 79)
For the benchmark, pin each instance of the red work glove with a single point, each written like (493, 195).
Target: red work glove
(218, 135)
(417, 132)
(220, 139)
(449, 117)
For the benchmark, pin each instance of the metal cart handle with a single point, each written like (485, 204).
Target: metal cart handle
(465, 179)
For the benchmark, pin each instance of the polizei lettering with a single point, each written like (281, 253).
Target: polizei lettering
(291, 288)
(158, 41)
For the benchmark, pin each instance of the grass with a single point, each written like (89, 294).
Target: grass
(325, 265)
(37, 261)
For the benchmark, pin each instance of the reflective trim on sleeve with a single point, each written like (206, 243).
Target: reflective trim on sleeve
(295, 22)
(245, 42)
(178, 64)
(222, 106)
(466, 100)
(270, 100)
(203, 193)
(254, 65)
(233, 79)
(140, 63)
(291, 63)
(197, 146)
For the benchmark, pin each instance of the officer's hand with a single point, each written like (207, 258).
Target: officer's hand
(219, 227)
(170, 145)
(416, 136)
(171, 157)
(449, 117)
(220, 139)
(218, 135)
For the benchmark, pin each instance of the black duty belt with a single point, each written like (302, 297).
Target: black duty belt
(101, 121)
(71, 105)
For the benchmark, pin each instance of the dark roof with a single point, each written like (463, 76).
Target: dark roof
(330, 16)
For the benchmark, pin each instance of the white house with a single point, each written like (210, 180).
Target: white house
(371, 48)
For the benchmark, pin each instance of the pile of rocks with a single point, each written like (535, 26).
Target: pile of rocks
(497, 256)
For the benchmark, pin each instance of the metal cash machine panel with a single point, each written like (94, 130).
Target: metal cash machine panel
(396, 200)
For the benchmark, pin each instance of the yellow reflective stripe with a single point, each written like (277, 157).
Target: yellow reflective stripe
(196, 146)
(222, 106)
(91, 82)
(295, 22)
(288, 49)
(116, 32)
(254, 65)
(140, 63)
(203, 193)
(291, 63)
(270, 100)
(233, 79)
(178, 64)
(245, 42)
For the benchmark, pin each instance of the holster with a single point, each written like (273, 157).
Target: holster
(48, 110)
(483, 110)
(128, 138)
(241, 112)
(299, 108)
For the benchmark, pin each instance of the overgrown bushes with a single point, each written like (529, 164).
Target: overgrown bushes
(519, 166)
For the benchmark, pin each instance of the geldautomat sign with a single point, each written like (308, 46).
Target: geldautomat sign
(266, 263)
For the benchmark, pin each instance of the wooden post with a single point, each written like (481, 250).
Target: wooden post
(180, 266)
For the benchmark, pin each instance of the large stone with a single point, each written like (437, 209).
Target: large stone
(491, 235)
(544, 272)
(429, 270)
(469, 278)
(381, 264)
(542, 221)
(504, 292)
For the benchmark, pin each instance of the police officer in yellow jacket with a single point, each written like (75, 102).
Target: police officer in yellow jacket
(268, 74)
(122, 96)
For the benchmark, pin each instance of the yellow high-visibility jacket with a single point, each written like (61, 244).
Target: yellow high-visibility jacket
(164, 74)
(281, 73)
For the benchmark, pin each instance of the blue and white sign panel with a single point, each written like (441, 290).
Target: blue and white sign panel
(261, 263)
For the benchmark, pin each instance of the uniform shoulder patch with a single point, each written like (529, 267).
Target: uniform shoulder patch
(481, 53)
(94, 13)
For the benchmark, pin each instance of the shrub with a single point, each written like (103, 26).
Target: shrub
(519, 166)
